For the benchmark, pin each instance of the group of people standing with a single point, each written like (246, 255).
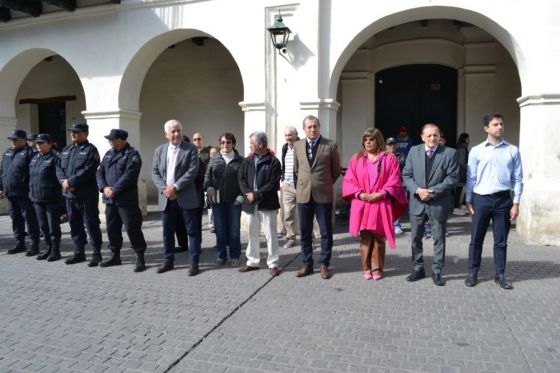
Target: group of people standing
(185, 175)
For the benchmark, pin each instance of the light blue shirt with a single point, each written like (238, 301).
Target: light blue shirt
(494, 168)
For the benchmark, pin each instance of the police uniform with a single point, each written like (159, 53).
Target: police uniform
(119, 170)
(14, 185)
(46, 193)
(78, 164)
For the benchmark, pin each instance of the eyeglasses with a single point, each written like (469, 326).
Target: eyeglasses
(225, 142)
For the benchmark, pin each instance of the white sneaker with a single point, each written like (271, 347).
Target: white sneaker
(459, 212)
(289, 244)
(398, 231)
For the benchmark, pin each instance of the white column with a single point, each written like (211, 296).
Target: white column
(479, 98)
(539, 213)
(100, 124)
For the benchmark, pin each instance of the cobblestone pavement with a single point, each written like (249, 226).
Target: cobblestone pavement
(60, 318)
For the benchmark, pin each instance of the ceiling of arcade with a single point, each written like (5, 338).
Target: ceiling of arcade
(451, 30)
(16, 9)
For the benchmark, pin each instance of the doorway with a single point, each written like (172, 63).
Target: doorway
(413, 95)
(52, 120)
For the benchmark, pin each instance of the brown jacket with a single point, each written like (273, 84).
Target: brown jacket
(316, 180)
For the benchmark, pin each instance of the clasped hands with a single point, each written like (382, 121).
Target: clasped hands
(425, 194)
(370, 197)
(170, 192)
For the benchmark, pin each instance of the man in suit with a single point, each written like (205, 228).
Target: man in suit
(316, 166)
(429, 175)
(174, 170)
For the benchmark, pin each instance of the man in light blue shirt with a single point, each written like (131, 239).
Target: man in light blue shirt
(493, 190)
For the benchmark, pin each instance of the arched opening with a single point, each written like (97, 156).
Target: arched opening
(486, 79)
(50, 98)
(197, 82)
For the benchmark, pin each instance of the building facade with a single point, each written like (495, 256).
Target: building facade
(353, 63)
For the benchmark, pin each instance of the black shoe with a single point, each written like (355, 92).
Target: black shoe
(416, 275)
(45, 255)
(19, 248)
(503, 282)
(471, 281)
(54, 256)
(140, 264)
(194, 270)
(166, 266)
(76, 258)
(95, 260)
(113, 261)
(33, 250)
(437, 279)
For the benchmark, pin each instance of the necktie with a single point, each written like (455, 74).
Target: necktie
(310, 153)
(430, 153)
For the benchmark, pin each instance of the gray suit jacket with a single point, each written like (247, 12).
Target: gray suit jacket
(186, 170)
(442, 179)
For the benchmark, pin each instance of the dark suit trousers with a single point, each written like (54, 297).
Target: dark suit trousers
(493, 207)
(22, 212)
(84, 211)
(438, 233)
(323, 212)
(131, 217)
(169, 219)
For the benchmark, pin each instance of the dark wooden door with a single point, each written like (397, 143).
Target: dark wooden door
(52, 120)
(413, 95)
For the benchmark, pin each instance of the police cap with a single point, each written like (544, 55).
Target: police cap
(18, 135)
(117, 134)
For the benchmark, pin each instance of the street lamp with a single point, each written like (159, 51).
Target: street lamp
(279, 34)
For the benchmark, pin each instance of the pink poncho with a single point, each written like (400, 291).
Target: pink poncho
(377, 217)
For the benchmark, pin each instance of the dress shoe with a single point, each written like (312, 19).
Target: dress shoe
(304, 271)
(503, 282)
(274, 271)
(55, 253)
(19, 248)
(247, 268)
(113, 261)
(325, 273)
(193, 270)
(471, 281)
(77, 257)
(437, 279)
(416, 275)
(166, 266)
(140, 264)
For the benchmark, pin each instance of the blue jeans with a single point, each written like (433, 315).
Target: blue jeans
(227, 221)
(169, 220)
(493, 207)
(323, 212)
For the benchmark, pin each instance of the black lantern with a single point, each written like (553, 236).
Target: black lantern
(279, 34)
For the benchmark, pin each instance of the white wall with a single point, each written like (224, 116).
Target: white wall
(198, 85)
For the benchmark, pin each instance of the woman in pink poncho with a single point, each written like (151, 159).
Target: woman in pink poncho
(372, 185)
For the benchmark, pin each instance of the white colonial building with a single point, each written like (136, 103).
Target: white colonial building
(134, 64)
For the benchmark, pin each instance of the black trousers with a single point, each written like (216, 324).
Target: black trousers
(131, 218)
(22, 212)
(48, 214)
(84, 211)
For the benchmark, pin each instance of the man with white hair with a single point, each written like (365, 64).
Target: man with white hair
(288, 186)
(174, 170)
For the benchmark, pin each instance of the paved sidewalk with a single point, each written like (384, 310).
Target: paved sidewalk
(60, 318)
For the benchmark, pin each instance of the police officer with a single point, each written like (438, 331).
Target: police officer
(76, 173)
(46, 193)
(117, 179)
(14, 185)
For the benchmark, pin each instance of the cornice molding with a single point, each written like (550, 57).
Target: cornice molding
(479, 69)
(120, 114)
(542, 99)
(252, 106)
(319, 103)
